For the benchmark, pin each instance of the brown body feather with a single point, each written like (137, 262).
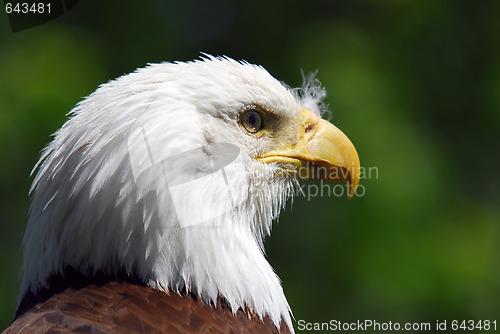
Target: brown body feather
(122, 307)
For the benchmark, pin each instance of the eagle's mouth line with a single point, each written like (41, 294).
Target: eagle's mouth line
(288, 165)
(309, 170)
(282, 160)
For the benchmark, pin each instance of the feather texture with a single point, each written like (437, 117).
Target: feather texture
(120, 307)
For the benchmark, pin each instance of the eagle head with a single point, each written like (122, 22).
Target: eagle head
(173, 175)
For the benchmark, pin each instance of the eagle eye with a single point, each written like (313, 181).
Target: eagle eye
(251, 120)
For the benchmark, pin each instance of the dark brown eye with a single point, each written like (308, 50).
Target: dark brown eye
(251, 120)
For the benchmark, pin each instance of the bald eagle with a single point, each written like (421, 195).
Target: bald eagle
(150, 205)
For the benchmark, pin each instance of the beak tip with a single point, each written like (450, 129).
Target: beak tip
(353, 182)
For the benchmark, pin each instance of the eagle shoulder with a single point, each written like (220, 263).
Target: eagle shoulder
(122, 307)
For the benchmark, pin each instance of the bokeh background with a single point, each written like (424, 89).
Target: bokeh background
(414, 84)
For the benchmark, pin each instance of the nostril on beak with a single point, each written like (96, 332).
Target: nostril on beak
(309, 128)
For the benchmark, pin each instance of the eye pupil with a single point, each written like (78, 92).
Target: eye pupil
(252, 121)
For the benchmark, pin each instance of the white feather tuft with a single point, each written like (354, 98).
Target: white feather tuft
(311, 95)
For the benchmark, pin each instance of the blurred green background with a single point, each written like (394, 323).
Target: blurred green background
(414, 84)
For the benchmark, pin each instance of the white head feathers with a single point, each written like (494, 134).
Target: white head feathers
(115, 190)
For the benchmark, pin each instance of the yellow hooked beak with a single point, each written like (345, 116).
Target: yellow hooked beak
(322, 152)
